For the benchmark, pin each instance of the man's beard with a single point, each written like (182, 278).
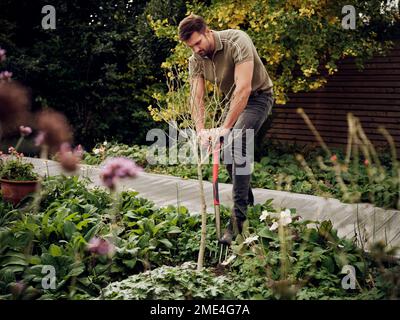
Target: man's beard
(206, 52)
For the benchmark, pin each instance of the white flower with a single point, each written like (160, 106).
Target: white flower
(285, 217)
(250, 239)
(274, 226)
(104, 143)
(96, 151)
(229, 260)
(264, 215)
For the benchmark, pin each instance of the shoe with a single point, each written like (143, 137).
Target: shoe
(230, 231)
(227, 237)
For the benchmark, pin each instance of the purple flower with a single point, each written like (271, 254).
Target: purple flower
(2, 55)
(5, 75)
(101, 247)
(25, 131)
(118, 168)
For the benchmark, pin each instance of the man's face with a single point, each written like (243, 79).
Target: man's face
(199, 43)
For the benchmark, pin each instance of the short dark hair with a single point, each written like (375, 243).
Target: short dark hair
(191, 24)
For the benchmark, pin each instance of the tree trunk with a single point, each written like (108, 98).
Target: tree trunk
(200, 259)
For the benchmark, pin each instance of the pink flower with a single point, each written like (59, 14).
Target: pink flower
(25, 131)
(101, 247)
(5, 75)
(2, 55)
(366, 162)
(11, 150)
(39, 139)
(69, 159)
(334, 158)
(18, 288)
(118, 168)
(79, 150)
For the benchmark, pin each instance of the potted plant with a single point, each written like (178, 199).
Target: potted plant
(17, 177)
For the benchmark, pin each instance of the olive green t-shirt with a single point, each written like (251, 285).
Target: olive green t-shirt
(232, 47)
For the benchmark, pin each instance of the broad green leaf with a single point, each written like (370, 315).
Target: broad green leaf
(166, 242)
(174, 229)
(268, 234)
(34, 260)
(130, 263)
(55, 250)
(69, 229)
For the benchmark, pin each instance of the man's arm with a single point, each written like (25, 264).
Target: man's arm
(197, 89)
(243, 77)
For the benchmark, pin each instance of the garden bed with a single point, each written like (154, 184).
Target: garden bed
(302, 260)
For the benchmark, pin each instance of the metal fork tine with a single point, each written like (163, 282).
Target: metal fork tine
(221, 249)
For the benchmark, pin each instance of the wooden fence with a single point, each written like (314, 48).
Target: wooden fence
(372, 95)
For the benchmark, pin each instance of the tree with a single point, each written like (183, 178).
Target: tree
(300, 42)
(98, 66)
(176, 108)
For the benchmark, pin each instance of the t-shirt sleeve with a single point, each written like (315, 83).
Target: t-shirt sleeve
(242, 49)
(195, 68)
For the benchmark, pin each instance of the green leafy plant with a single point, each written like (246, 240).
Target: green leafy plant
(12, 166)
(17, 170)
(157, 284)
(152, 245)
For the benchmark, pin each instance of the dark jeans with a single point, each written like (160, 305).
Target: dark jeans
(252, 117)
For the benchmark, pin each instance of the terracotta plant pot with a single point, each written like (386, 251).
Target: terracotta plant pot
(14, 191)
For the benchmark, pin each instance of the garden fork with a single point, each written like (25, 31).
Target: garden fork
(216, 152)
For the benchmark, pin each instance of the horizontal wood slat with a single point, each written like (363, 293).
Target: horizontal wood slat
(334, 112)
(331, 127)
(363, 89)
(359, 76)
(335, 141)
(326, 133)
(336, 122)
(342, 95)
(343, 119)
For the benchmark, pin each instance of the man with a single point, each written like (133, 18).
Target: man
(229, 59)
